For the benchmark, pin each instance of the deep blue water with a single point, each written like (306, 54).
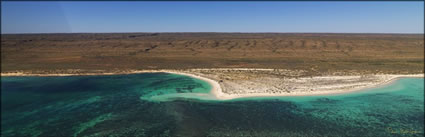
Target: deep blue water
(127, 105)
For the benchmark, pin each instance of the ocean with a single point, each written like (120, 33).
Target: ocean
(164, 104)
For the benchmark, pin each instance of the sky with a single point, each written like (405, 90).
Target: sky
(300, 17)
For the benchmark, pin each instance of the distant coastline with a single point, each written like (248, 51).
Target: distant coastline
(222, 92)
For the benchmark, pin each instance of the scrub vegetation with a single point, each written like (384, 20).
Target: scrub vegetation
(315, 53)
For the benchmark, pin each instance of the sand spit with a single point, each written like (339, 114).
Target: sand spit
(244, 82)
(239, 83)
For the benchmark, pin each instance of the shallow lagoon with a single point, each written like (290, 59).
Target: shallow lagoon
(133, 105)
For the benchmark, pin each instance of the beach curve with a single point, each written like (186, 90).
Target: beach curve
(219, 94)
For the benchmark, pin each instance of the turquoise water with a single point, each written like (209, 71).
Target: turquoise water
(162, 104)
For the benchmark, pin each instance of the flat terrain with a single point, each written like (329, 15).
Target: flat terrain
(314, 53)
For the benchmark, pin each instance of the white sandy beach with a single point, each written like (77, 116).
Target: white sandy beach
(327, 90)
(307, 86)
(238, 84)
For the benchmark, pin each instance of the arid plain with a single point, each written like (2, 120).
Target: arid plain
(244, 64)
(391, 53)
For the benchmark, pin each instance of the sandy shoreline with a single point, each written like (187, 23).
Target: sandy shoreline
(215, 87)
(223, 94)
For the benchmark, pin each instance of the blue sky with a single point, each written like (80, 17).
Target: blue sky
(103, 16)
